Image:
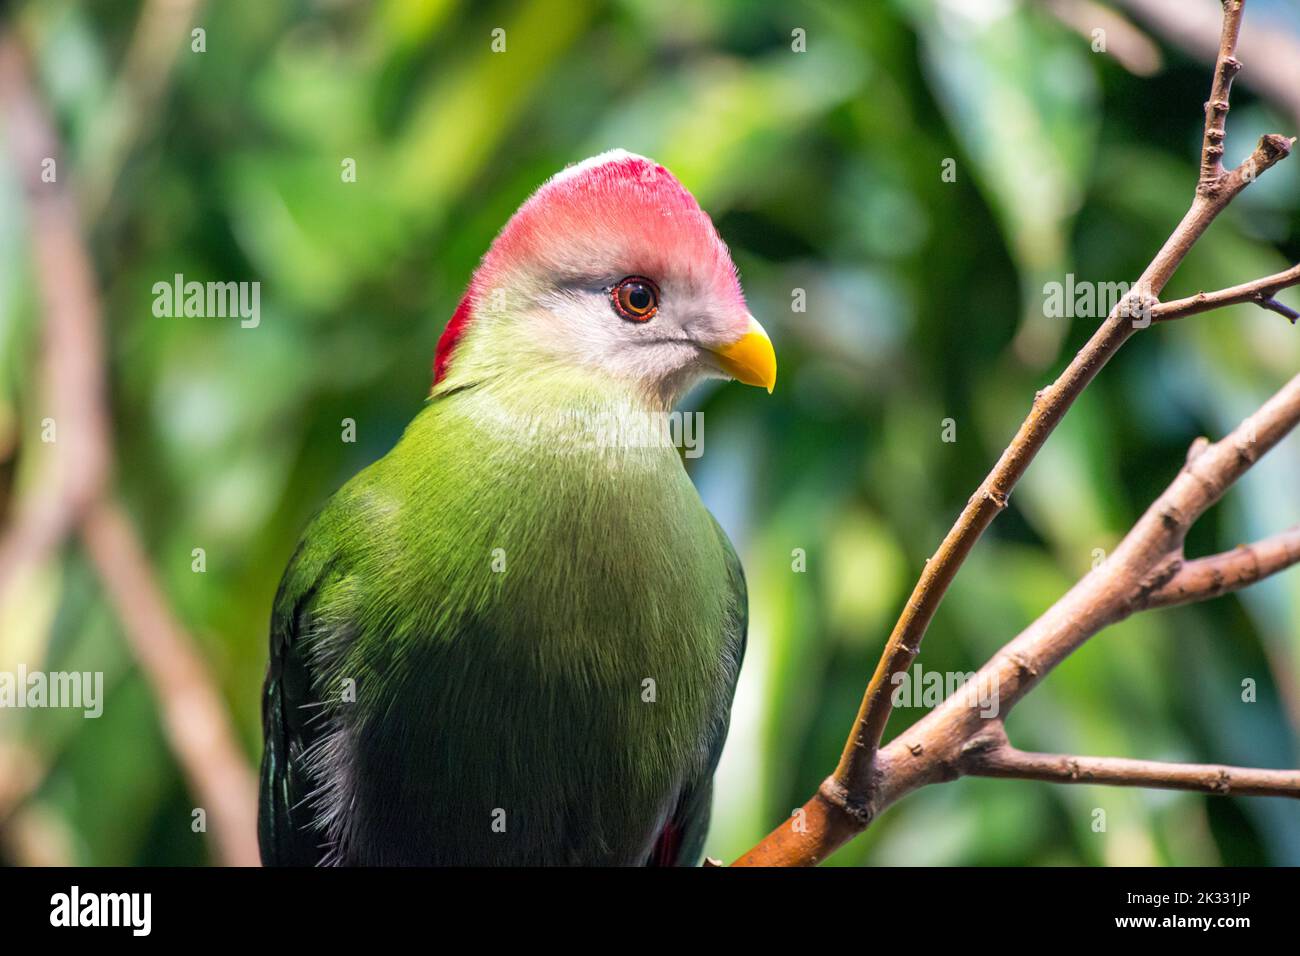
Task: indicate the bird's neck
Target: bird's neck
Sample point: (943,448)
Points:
(579,411)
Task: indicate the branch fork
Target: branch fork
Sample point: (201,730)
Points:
(1148,570)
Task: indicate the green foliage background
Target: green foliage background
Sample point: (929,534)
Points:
(823,172)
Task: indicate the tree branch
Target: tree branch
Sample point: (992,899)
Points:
(193,716)
(867,778)
(1260,292)
(1281,309)
(1134,578)
(1229,571)
(1003,760)
(1215,190)
(1226,67)
(1130,47)
(70,387)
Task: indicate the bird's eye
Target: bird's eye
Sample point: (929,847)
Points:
(635,299)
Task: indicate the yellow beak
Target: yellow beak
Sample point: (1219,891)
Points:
(751,358)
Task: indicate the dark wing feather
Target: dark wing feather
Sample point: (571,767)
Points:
(286,831)
(288,724)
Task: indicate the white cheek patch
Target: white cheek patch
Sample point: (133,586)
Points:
(584,329)
(533,328)
(580,325)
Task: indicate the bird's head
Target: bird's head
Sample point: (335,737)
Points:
(610,266)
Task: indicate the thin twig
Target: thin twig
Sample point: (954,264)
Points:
(71,386)
(1226,67)
(1191,25)
(1229,571)
(160,36)
(1260,292)
(1007,762)
(1130,47)
(1275,306)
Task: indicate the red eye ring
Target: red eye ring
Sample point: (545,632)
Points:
(635,298)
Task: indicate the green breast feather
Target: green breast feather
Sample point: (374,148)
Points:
(505,642)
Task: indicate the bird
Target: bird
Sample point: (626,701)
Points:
(514,640)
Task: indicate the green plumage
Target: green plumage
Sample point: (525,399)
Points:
(504,591)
